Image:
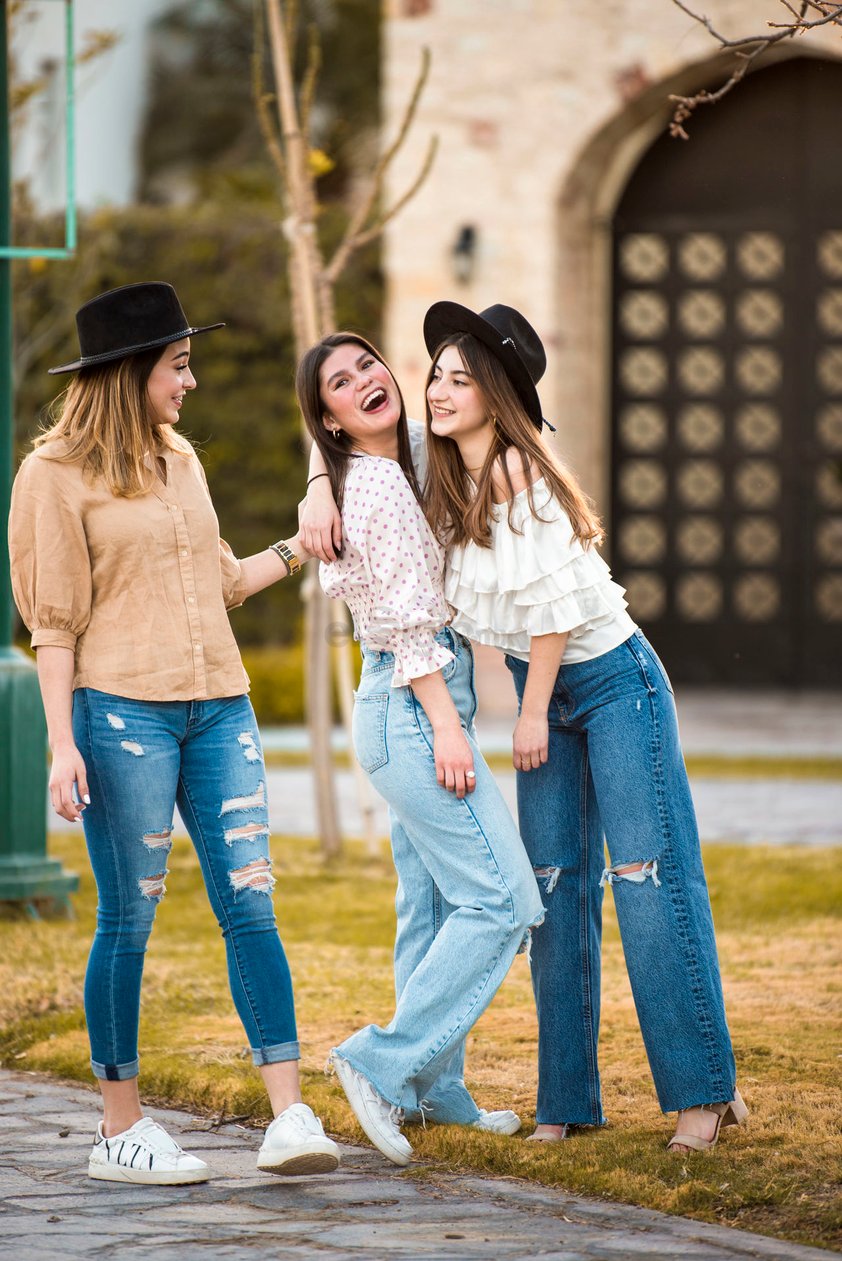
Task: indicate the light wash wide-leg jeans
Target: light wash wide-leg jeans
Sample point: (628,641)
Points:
(448,966)
(616,775)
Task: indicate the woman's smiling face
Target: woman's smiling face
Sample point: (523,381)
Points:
(169,381)
(456,406)
(359,394)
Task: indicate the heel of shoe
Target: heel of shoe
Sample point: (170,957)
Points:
(737,1113)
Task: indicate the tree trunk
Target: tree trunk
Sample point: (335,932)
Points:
(305,269)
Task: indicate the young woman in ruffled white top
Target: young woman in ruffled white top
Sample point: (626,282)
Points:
(596,743)
(466,891)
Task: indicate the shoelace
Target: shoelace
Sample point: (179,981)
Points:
(302,1122)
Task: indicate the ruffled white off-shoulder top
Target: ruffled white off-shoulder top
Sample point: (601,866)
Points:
(540,581)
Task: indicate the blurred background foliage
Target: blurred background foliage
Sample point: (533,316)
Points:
(208,220)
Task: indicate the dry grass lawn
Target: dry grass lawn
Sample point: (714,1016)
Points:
(777,914)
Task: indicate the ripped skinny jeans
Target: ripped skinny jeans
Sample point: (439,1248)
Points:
(615,776)
(143,758)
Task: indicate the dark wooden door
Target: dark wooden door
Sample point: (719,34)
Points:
(726,506)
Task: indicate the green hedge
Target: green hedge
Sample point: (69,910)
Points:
(277,683)
(228,262)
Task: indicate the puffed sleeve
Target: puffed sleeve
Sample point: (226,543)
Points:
(48,550)
(407,609)
(230,569)
(233,580)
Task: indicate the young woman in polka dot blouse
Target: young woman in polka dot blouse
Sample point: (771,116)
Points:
(466,891)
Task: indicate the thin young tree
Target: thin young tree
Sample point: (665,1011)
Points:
(799,18)
(313,279)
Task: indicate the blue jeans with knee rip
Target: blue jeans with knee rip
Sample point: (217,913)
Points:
(143,758)
(466,892)
(616,776)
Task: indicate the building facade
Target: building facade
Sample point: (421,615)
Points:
(689,294)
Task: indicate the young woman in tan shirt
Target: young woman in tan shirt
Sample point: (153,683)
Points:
(120,574)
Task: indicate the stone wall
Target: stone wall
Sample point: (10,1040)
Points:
(542,109)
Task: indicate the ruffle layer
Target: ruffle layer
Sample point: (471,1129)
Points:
(538,582)
(413,661)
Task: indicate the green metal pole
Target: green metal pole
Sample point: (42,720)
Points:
(27,875)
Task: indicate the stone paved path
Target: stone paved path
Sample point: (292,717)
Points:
(366,1211)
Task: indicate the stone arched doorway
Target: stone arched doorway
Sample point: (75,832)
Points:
(726,495)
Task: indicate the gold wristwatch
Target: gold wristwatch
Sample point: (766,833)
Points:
(287,555)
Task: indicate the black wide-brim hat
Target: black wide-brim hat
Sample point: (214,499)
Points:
(507,334)
(128,320)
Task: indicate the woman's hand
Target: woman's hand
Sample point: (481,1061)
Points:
(530,742)
(319,522)
(454,760)
(68,769)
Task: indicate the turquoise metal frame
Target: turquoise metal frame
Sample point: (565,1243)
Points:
(69,248)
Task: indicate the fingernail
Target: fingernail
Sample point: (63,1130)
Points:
(86,799)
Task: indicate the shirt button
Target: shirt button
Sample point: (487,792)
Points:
(184,551)
(197,647)
(191,599)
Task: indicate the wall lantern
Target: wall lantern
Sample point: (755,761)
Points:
(463,256)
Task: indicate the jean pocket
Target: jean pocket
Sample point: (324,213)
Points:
(651,664)
(449,669)
(369,731)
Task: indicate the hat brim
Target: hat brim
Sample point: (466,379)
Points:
(90,361)
(445,320)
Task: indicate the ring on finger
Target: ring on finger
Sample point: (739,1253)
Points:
(470,774)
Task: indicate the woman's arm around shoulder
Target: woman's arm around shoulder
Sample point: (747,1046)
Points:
(319,522)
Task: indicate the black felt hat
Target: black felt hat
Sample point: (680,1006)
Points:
(506,333)
(128,320)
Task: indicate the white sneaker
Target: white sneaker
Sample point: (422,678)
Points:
(379,1118)
(507,1122)
(296,1143)
(145,1154)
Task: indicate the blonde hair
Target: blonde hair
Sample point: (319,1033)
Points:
(104,422)
(459,511)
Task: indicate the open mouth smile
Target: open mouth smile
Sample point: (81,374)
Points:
(375,400)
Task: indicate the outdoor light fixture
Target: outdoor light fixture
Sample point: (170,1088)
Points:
(464,253)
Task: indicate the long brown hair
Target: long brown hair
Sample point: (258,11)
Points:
(105,423)
(337,452)
(459,511)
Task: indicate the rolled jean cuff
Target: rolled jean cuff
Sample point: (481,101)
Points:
(115,1072)
(278,1054)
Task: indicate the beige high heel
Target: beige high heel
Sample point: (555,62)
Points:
(733,1113)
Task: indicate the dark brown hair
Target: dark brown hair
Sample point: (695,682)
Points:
(460,512)
(336,452)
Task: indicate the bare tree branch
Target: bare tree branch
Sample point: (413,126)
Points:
(370,234)
(748,49)
(311,78)
(356,228)
(264,100)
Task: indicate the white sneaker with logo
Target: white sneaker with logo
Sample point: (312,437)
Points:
(296,1143)
(507,1122)
(144,1154)
(379,1119)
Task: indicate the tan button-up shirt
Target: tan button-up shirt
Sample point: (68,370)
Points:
(138,588)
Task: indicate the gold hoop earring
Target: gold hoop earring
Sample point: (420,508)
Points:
(336,433)
(494,421)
